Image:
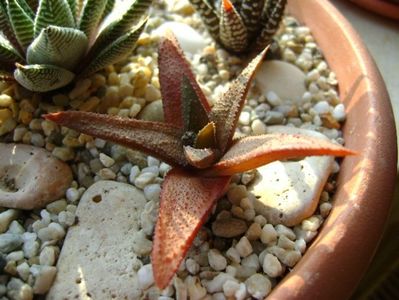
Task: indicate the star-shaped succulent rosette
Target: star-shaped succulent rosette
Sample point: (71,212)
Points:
(198,142)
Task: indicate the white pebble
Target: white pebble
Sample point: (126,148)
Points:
(230,287)
(322,107)
(47,256)
(53,232)
(216,284)
(258,127)
(290,258)
(192,266)
(134,172)
(325,209)
(107,174)
(300,245)
(241,293)
(15,256)
(284,230)
(244,247)
(145,277)
(272,266)
(269,234)
(216,260)
(338,113)
(72,194)
(44,276)
(152,161)
(311,224)
(106,160)
(233,255)
(258,286)
(143,179)
(273,98)
(251,261)
(195,290)
(6,217)
(23,271)
(66,218)
(245,118)
(152,192)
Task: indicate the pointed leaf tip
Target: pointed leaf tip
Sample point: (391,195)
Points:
(186,201)
(227,5)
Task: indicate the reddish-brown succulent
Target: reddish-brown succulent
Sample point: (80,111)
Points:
(198,142)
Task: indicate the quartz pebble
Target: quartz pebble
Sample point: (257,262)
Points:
(278,199)
(244,247)
(145,277)
(216,260)
(100,243)
(6,217)
(272,266)
(283,79)
(43,180)
(258,286)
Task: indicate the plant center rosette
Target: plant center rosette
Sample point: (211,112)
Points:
(197,140)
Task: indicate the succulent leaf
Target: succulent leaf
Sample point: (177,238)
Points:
(209,15)
(116,51)
(21,23)
(26,7)
(53,12)
(226,111)
(120,26)
(59,46)
(271,18)
(251,12)
(186,201)
(108,8)
(91,16)
(8,52)
(200,158)
(172,69)
(157,139)
(254,151)
(195,116)
(233,32)
(73,8)
(6,28)
(42,78)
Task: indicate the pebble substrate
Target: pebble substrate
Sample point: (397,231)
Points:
(216,267)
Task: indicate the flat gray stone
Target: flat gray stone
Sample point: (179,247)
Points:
(97,258)
(30,177)
(282,78)
(289,192)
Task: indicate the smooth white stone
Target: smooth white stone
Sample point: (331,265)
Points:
(44,277)
(97,256)
(31,177)
(288,192)
(6,217)
(258,286)
(281,78)
(190,40)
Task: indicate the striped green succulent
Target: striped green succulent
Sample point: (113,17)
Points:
(241,25)
(46,44)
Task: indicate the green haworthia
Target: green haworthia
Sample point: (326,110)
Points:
(51,38)
(42,78)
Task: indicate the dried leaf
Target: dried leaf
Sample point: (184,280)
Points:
(186,201)
(252,152)
(157,139)
(226,111)
(200,158)
(206,137)
(172,68)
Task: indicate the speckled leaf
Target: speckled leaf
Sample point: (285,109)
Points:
(21,23)
(108,8)
(209,16)
(26,7)
(91,15)
(200,158)
(270,21)
(42,78)
(172,68)
(53,12)
(252,152)
(227,109)
(119,27)
(157,139)
(186,201)
(232,30)
(8,52)
(59,46)
(114,52)
(73,8)
(195,116)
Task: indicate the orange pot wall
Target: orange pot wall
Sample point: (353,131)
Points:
(337,259)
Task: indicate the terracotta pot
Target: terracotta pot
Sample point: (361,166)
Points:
(380,7)
(337,259)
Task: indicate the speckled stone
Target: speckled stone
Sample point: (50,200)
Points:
(30,177)
(97,256)
(288,192)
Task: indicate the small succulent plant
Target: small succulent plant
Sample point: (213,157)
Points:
(198,142)
(46,44)
(241,25)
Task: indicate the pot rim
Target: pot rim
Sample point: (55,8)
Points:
(335,262)
(382,8)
